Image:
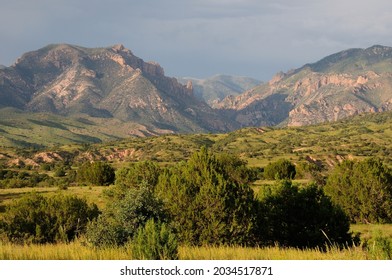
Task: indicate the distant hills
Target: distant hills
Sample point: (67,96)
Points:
(358,137)
(64,93)
(213,89)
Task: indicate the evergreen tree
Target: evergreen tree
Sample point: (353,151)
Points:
(96,173)
(363,189)
(206,203)
(302,217)
(279,170)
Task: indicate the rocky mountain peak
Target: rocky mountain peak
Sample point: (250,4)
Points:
(347,83)
(107,83)
(118,47)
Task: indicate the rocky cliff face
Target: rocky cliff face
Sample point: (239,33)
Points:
(105,82)
(338,86)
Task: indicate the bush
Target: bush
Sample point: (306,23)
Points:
(96,173)
(154,241)
(363,189)
(105,231)
(206,203)
(279,170)
(124,216)
(302,217)
(37,219)
(142,172)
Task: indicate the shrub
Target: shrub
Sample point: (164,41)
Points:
(302,217)
(363,189)
(96,173)
(37,219)
(124,216)
(142,172)
(105,231)
(279,170)
(206,203)
(154,241)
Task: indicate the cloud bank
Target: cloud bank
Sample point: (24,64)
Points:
(200,37)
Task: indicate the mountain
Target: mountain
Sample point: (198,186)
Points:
(107,83)
(213,89)
(2,66)
(64,93)
(347,83)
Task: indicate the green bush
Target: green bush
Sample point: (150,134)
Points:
(96,173)
(124,216)
(37,219)
(137,173)
(363,189)
(154,241)
(302,217)
(106,231)
(207,203)
(279,170)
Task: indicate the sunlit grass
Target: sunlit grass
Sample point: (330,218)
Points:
(271,253)
(78,251)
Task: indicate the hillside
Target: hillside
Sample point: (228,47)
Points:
(213,89)
(109,83)
(344,84)
(325,144)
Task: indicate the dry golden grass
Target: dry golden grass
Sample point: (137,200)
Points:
(270,253)
(73,251)
(78,251)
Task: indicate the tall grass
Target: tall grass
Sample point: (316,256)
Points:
(271,253)
(78,251)
(72,251)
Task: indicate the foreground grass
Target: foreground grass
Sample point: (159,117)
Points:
(78,251)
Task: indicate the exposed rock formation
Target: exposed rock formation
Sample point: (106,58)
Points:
(338,86)
(105,82)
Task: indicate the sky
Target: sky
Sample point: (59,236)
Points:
(200,38)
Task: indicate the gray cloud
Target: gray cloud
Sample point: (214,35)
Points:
(200,37)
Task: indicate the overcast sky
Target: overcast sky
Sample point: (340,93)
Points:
(200,38)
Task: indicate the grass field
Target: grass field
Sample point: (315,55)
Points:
(78,251)
(91,194)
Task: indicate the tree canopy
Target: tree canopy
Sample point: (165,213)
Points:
(363,189)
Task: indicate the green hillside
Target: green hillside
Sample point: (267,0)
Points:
(326,144)
(358,137)
(42,130)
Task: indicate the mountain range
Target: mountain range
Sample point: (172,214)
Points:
(344,84)
(112,86)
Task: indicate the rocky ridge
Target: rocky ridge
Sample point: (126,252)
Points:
(104,82)
(341,85)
